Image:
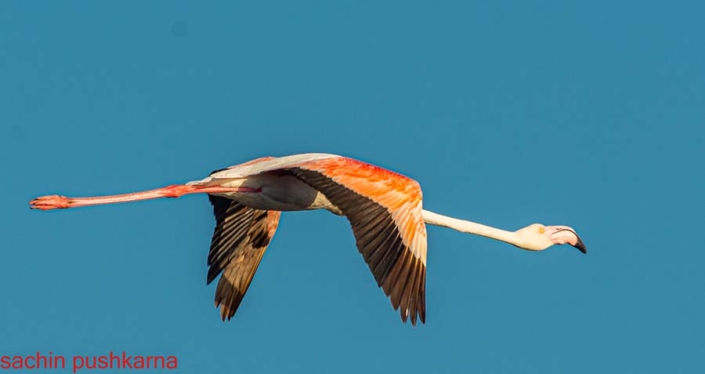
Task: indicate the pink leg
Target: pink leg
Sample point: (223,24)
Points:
(63,202)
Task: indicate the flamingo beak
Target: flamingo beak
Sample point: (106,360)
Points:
(580,245)
(565,235)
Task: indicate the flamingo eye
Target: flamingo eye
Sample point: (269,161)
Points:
(542,230)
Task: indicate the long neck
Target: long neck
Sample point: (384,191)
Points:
(470,227)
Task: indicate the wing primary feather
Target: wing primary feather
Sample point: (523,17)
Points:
(368,228)
(378,234)
(410,289)
(239,241)
(397,281)
(392,255)
(228,238)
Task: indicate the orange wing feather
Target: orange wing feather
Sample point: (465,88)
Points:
(399,194)
(384,209)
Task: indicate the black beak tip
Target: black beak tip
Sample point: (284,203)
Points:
(581,246)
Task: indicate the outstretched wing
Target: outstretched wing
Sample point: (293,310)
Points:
(240,238)
(384,210)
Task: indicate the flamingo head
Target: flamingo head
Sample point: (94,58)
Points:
(537,237)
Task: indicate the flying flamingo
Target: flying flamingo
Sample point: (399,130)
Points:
(384,209)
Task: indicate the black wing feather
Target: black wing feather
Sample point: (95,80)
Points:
(401,275)
(240,238)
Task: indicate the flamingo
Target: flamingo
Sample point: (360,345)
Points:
(384,210)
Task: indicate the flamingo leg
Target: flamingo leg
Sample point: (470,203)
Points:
(62,202)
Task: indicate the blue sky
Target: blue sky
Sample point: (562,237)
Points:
(588,114)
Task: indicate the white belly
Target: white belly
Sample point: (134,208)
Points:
(279,192)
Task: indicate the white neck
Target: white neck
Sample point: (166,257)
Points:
(470,227)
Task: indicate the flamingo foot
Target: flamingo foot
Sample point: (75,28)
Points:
(50,202)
